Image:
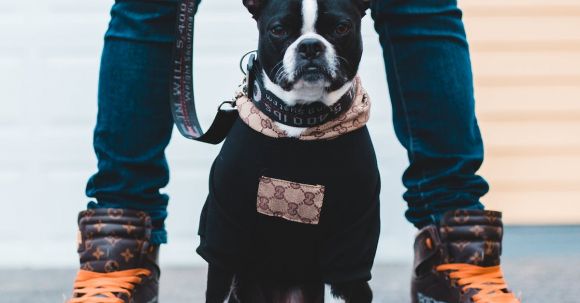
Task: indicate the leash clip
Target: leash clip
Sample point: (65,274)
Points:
(250,77)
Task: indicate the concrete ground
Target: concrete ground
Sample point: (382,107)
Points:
(541,263)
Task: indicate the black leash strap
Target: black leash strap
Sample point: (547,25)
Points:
(182,99)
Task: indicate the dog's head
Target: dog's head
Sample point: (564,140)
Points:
(309,45)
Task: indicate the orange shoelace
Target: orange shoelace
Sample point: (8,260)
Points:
(488,280)
(94,287)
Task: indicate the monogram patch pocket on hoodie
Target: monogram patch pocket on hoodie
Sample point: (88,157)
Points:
(290,200)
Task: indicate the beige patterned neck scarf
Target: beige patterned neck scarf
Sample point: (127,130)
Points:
(353,119)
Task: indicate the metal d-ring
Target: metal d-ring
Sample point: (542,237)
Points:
(242,61)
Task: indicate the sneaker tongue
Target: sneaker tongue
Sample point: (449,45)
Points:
(112,239)
(472,236)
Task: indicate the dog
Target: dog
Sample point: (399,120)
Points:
(293,200)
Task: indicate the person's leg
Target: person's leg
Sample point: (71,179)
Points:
(430,82)
(428,67)
(134,121)
(121,231)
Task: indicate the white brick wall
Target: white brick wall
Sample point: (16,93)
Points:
(49,56)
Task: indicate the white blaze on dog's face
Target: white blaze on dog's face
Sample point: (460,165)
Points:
(310,52)
(309,49)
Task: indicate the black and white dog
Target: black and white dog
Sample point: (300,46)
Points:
(264,231)
(309,50)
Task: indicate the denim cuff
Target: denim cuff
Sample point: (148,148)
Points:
(158,236)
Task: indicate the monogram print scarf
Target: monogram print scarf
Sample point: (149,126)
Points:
(353,119)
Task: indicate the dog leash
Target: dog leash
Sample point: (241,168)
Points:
(182,100)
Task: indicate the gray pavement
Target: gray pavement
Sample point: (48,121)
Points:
(538,280)
(541,263)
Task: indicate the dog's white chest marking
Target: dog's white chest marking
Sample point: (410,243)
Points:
(328,297)
(294,97)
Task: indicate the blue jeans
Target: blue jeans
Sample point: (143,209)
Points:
(430,80)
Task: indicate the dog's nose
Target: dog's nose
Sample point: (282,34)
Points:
(310,48)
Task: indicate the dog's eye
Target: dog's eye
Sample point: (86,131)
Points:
(342,29)
(279,31)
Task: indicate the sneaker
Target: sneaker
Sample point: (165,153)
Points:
(118,264)
(458,261)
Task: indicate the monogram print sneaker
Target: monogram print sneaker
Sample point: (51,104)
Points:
(459,260)
(118,265)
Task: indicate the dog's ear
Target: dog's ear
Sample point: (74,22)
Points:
(254,7)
